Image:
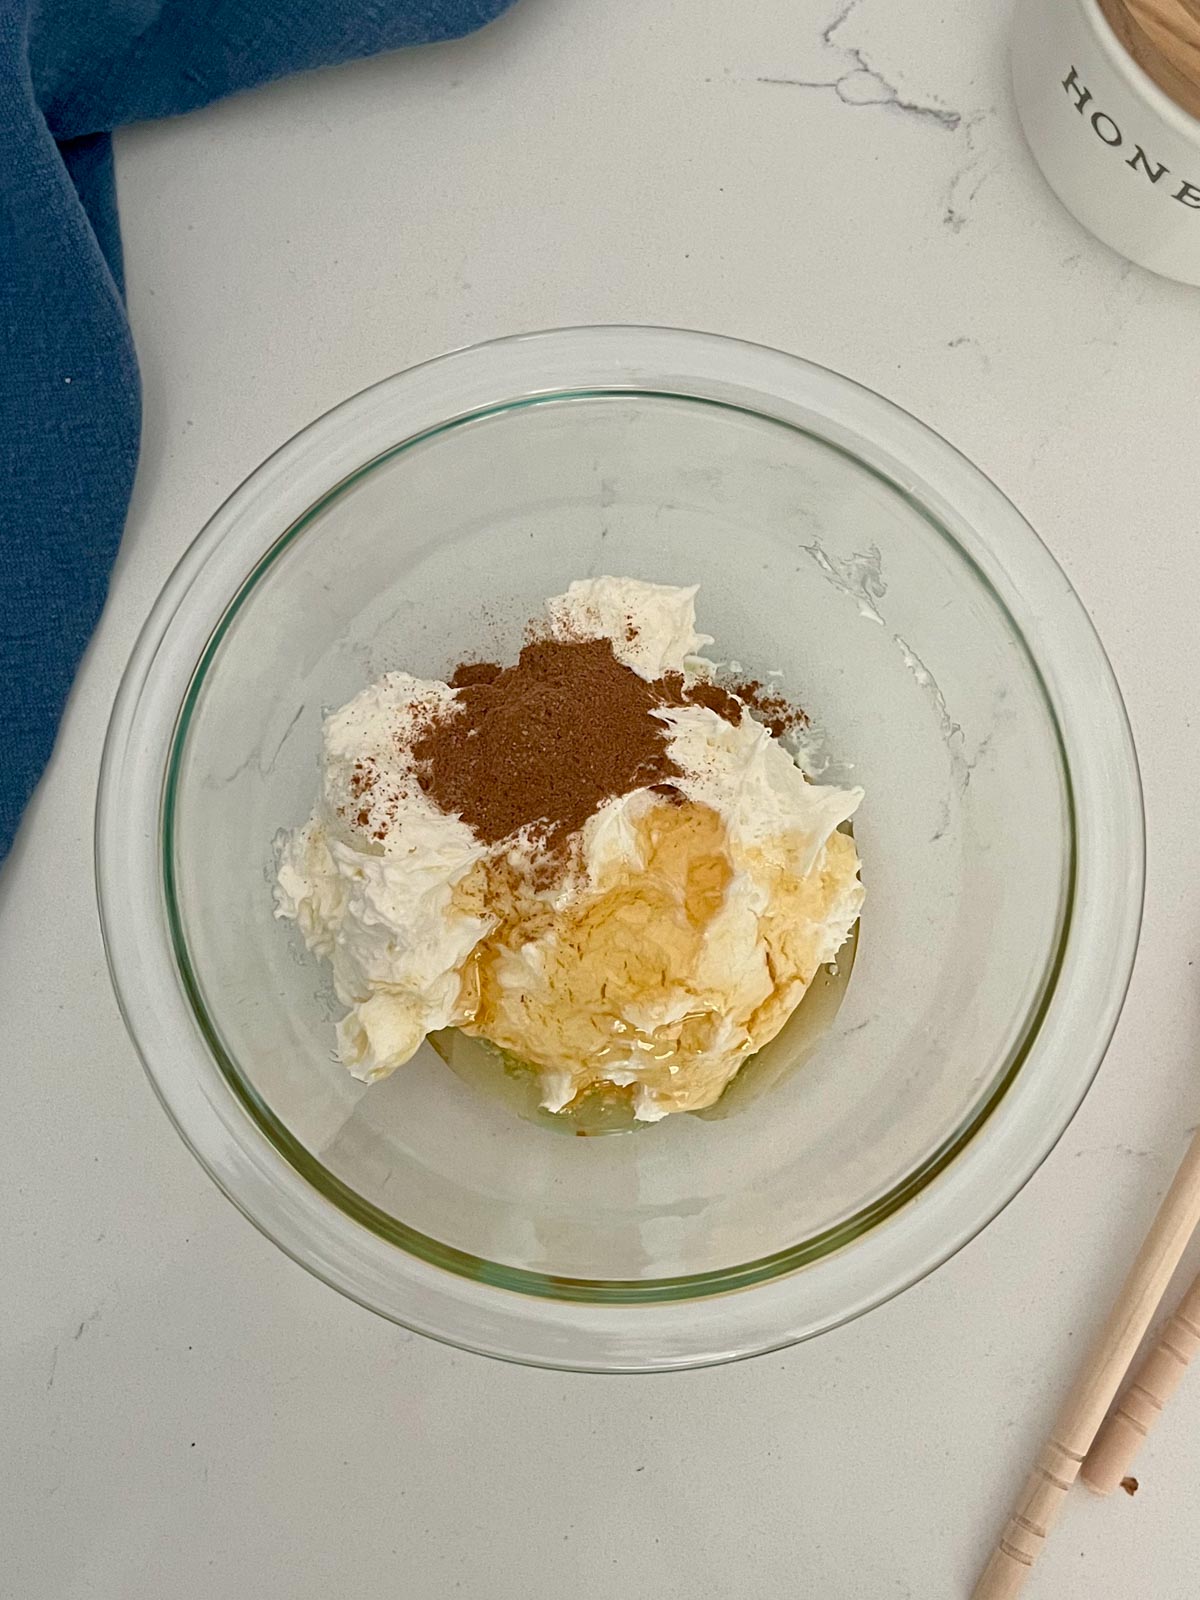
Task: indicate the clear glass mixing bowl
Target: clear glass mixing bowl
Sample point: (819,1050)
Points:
(948,668)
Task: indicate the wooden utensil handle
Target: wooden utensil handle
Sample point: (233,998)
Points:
(1154,1382)
(1085,1407)
(1032,1517)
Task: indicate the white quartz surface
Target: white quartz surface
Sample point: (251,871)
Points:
(187,1413)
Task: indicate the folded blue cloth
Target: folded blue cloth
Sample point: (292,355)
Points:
(70,72)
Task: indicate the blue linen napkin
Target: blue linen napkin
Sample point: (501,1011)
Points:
(70,72)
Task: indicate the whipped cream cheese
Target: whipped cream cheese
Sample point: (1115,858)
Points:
(369,880)
(652,626)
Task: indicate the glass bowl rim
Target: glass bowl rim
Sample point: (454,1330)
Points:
(702,357)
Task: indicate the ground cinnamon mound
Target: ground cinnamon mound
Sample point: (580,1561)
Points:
(546,742)
(468,674)
(543,744)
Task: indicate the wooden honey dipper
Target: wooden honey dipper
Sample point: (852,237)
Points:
(1079,1420)
(1163,37)
(1155,1381)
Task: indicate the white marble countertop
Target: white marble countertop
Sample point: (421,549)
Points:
(188,1413)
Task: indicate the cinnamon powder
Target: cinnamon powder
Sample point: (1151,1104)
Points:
(703,694)
(770,707)
(544,743)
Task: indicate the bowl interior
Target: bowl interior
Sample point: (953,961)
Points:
(920,688)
